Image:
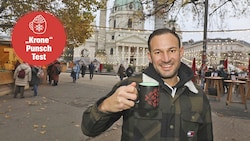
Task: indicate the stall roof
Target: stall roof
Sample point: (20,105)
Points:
(5,40)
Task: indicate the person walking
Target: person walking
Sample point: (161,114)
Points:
(49,73)
(75,72)
(35,79)
(83,69)
(91,70)
(129,71)
(183,112)
(22,77)
(121,72)
(55,72)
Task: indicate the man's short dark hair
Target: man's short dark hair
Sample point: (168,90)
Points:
(160,32)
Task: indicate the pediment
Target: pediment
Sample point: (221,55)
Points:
(133,39)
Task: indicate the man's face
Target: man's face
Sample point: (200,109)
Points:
(165,55)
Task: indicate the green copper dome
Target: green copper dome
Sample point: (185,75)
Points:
(127,5)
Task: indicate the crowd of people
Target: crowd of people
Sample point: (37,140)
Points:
(78,69)
(32,75)
(125,72)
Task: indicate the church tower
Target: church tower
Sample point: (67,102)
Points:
(123,15)
(101,35)
(160,17)
(124,41)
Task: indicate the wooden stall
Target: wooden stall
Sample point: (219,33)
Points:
(7,66)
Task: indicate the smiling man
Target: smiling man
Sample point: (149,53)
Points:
(183,112)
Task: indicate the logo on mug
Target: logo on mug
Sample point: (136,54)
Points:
(152,98)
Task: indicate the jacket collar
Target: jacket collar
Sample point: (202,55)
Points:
(185,74)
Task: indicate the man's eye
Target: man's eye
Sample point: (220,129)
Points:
(157,52)
(172,50)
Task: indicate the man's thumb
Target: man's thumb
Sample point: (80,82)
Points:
(133,84)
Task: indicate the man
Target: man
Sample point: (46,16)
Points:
(184,113)
(129,71)
(21,81)
(75,71)
(91,70)
(35,79)
(83,69)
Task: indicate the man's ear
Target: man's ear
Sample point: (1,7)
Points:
(181,51)
(149,57)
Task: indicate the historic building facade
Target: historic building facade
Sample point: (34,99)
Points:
(218,50)
(123,41)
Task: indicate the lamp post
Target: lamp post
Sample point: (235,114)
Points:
(204,52)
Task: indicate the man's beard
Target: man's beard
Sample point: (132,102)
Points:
(169,77)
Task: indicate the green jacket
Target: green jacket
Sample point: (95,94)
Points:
(184,117)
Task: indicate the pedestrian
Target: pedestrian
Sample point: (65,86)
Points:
(49,73)
(22,77)
(183,113)
(55,72)
(83,69)
(91,70)
(129,71)
(121,72)
(35,79)
(75,72)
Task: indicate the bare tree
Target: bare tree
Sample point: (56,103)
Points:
(193,10)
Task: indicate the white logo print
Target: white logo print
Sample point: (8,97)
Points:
(190,134)
(38,25)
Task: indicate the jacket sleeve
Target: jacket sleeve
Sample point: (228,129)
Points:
(94,122)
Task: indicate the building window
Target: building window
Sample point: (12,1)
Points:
(114,23)
(113,37)
(111,51)
(129,23)
(115,8)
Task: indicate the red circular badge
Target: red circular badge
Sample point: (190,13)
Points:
(38,38)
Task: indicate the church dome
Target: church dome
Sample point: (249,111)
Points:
(121,5)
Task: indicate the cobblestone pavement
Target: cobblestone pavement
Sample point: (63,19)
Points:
(55,115)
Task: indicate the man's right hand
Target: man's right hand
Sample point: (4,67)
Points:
(123,99)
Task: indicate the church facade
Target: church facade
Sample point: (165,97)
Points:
(123,41)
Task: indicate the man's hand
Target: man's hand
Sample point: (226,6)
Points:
(123,99)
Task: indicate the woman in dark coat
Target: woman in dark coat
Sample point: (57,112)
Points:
(55,71)
(49,74)
(121,72)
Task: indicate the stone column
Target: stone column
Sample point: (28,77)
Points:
(116,53)
(123,52)
(143,55)
(137,56)
(129,54)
